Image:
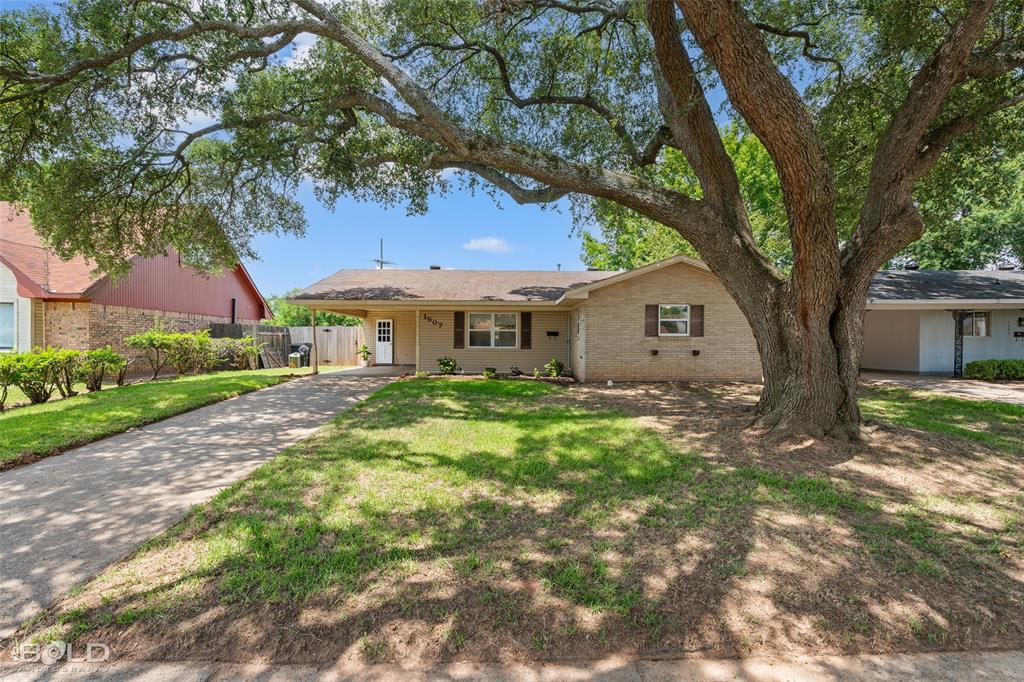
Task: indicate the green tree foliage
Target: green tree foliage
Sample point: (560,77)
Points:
(629,240)
(986,230)
(291,315)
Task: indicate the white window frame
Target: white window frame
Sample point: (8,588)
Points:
(14,327)
(988,323)
(684,306)
(494,330)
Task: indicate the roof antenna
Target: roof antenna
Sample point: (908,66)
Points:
(380,261)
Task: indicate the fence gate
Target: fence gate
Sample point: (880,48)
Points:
(336,345)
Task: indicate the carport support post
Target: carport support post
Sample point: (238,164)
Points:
(314,359)
(958,344)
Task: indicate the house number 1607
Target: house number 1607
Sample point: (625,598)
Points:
(436,323)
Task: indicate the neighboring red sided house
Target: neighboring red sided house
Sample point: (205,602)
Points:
(45,301)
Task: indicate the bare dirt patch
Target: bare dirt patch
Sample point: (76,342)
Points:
(513,521)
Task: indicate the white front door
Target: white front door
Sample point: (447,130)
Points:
(384,352)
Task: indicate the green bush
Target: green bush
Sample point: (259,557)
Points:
(241,353)
(7,374)
(34,374)
(99,362)
(422,375)
(66,369)
(447,365)
(154,346)
(192,352)
(555,367)
(490,372)
(247,354)
(995,370)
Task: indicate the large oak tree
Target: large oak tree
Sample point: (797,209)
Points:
(130,125)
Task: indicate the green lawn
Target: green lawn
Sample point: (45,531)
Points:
(498,520)
(1000,425)
(55,426)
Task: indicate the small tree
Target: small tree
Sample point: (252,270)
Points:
(154,346)
(97,363)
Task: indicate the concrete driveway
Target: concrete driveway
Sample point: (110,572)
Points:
(64,519)
(958,388)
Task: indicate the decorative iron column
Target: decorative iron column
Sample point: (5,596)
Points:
(958,344)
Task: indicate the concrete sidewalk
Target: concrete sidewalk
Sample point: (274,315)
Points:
(974,667)
(64,519)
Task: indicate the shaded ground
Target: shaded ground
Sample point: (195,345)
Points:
(518,521)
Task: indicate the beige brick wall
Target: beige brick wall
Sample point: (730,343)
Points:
(93,325)
(110,324)
(67,325)
(616,348)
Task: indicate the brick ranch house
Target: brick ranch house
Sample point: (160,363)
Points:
(45,301)
(669,321)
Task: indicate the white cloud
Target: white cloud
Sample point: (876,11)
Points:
(488,244)
(301,47)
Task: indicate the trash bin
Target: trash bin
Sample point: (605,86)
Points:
(302,350)
(294,360)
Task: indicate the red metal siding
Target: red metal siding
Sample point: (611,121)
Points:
(161,283)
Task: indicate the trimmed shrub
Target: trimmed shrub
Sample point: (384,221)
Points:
(422,375)
(7,374)
(67,365)
(97,363)
(154,346)
(490,372)
(191,352)
(995,370)
(34,374)
(447,365)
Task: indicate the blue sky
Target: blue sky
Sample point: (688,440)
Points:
(521,238)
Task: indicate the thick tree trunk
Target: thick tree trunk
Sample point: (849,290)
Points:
(811,369)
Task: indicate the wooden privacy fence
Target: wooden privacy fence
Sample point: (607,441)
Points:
(336,345)
(276,340)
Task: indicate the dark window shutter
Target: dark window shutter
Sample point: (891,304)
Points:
(526,331)
(651,319)
(459,340)
(696,320)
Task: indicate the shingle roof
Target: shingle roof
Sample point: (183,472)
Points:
(448,285)
(21,250)
(921,285)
